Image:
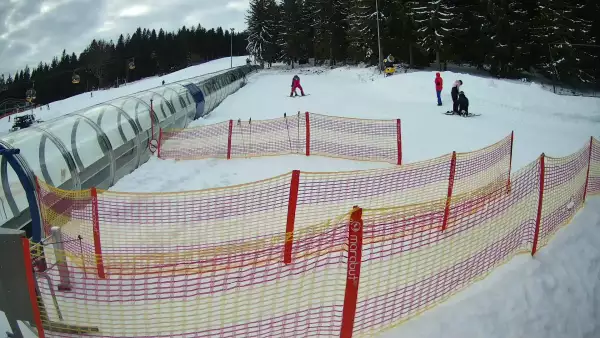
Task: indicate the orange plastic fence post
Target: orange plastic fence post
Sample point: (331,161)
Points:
(450,189)
(355,241)
(307,114)
(229,139)
(399,139)
(160,136)
(538,219)
(587,176)
(33,297)
(96,229)
(512,139)
(291,217)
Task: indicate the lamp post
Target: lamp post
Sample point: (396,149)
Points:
(232,31)
(378,35)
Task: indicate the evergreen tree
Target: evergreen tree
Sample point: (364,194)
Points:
(556,31)
(292,40)
(263,29)
(438,24)
(362,20)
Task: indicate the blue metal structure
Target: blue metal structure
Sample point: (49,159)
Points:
(98,145)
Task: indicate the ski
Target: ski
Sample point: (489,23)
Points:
(470,114)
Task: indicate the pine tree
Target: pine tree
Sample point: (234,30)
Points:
(263,28)
(397,31)
(438,23)
(556,33)
(292,40)
(362,20)
(507,48)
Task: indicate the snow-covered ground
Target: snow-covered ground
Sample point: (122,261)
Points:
(84,100)
(555,294)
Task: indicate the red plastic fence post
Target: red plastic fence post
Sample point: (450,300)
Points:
(587,176)
(307,114)
(291,217)
(399,139)
(229,139)
(512,139)
(355,240)
(450,189)
(538,219)
(33,297)
(160,136)
(96,229)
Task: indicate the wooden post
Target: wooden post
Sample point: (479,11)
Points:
(291,217)
(96,229)
(355,240)
(538,219)
(587,176)
(33,297)
(229,139)
(450,190)
(399,140)
(307,114)
(512,138)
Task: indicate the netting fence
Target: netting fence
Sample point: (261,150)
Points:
(346,254)
(297,134)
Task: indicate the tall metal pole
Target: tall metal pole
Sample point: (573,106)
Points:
(232,31)
(378,35)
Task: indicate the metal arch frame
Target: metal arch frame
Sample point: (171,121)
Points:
(26,178)
(139,102)
(186,107)
(102,141)
(121,113)
(10,199)
(137,131)
(142,132)
(66,154)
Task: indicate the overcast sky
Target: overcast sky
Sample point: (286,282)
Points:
(36,30)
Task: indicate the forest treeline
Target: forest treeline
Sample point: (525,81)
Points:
(553,38)
(104,64)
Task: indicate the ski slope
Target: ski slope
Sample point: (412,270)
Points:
(555,294)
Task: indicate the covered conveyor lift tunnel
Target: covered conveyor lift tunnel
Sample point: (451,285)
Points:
(97,146)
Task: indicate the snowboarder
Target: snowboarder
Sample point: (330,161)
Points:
(463,104)
(439,85)
(296,85)
(455,91)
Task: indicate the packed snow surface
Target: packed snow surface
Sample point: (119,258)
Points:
(555,294)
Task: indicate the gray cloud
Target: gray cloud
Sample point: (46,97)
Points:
(37,30)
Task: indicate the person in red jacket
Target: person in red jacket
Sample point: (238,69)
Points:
(296,85)
(439,86)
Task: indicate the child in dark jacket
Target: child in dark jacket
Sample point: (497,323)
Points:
(296,85)
(463,104)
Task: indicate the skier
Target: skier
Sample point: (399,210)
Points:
(439,85)
(463,104)
(455,90)
(295,85)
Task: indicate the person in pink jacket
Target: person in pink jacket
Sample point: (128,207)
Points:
(296,85)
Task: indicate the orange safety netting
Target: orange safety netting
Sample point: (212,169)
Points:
(302,133)
(289,256)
